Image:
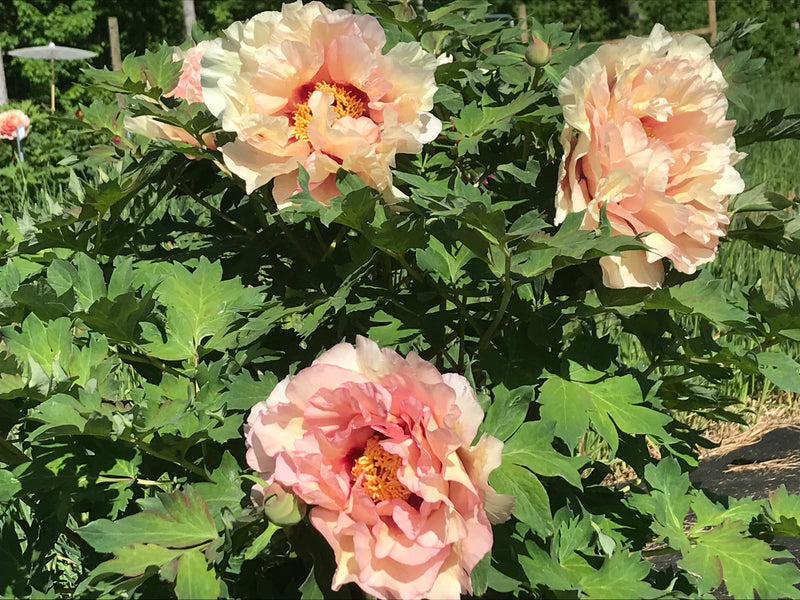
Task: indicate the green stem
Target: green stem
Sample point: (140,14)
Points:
(462,334)
(149,360)
(259,210)
(219,213)
(99,236)
(117,479)
(339,237)
(180,461)
(508,289)
(315,230)
(536,76)
(416,275)
(297,246)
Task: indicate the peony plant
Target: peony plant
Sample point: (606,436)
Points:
(430,312)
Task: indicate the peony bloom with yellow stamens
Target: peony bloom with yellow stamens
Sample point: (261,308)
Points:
(380,446)
(647,138)
(310,87)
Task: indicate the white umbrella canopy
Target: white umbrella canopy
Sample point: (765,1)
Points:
(52,53)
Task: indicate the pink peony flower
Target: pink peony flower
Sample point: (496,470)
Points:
(380,445)
(646,136)
(10,120)
(188,86)
(309,86)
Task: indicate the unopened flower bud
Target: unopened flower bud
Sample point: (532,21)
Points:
(538,52)
(280,507)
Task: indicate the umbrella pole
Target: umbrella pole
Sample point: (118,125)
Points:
(52,85)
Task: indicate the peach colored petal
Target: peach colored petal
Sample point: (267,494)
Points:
(632,269)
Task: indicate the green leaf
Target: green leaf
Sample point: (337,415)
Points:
(530,447)
(61,276)
(710,513)
(261,541)
(469,120)
(60,416)
(527,224)
(758,198)
(309,589)
(727,552)
(133,560)
(668,501)
(119,318)
(46,345)
(480,575)
(568,405)
(705,297)
(621,576)
(121,280)
(609,402)
(195,578)
(543,569)
(531,504)
(780,369)
(507,411)
(89,285)
(9,486)
(783,511)
(527,175)
(184,522)
(244,392)
(201,308)
(446,264)
(159,69)
(772,126)
(226,489)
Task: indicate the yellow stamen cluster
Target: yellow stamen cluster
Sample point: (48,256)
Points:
(345,104)
(648,131)
(380,472)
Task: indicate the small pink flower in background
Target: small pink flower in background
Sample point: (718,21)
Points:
(380,446)
(646,137)
(10,120)
(309,86)
(188,86)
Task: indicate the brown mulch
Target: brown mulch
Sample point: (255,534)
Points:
(755,461)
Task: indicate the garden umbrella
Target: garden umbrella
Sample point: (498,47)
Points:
(52,53)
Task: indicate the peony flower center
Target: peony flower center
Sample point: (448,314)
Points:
(345,104)
(380,472)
